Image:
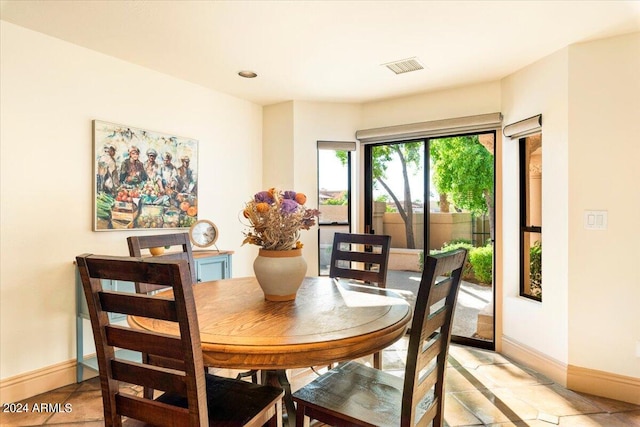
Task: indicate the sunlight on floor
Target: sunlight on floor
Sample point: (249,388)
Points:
(483,388)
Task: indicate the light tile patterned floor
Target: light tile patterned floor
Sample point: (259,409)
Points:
(483,389)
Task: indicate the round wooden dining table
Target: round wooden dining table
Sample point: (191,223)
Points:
(329,321)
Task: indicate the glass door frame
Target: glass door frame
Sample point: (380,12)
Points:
(368,213)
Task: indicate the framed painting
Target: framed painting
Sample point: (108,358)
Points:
(143,179)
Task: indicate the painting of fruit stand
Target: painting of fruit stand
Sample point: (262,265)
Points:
(143,179)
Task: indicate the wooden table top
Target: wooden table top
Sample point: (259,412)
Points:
(327,322)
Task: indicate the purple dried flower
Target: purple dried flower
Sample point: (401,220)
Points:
(289,206)
(289,194)
(276,217)
(263,196)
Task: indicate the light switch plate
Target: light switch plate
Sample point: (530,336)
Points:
(595,220)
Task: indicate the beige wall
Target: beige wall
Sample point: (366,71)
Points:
(50,92)
(278,146)
(589,315)
(307,123)
(540,88)
(445,104)
(603,276)
(589,98)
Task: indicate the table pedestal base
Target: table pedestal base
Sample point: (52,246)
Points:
(278,378)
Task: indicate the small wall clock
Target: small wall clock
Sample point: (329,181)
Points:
(203,233)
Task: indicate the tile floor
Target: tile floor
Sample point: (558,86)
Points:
(483,389)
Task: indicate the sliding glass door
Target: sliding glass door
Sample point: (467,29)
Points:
(435,195)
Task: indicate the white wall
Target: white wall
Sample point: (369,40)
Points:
(50,92)
(540,88)
(291,132)
(589,98)
(604,174)
(315,122)
(278,147)
(445,104)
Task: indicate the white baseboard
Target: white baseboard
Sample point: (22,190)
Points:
(606,384)
(32,383)
(539,362)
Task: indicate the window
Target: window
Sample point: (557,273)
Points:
(334,195)
(531,217)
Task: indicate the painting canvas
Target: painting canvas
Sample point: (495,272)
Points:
(143,179)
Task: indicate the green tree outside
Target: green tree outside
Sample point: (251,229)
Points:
(463,168)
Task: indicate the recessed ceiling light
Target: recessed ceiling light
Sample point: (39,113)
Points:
(247,74)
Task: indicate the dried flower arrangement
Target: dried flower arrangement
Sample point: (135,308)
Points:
(276,218)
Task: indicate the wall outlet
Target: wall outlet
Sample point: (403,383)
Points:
(595,220)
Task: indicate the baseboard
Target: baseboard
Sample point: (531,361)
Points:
(590,381)
(605,384)
(539,362)
(32,383)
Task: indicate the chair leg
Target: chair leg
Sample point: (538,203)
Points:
(279,414)
(148,393)
(377,360)
(273,422)
(301,419)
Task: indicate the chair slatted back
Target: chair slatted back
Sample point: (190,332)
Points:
(138,243)
(362,257)
(430,336)
(189,383)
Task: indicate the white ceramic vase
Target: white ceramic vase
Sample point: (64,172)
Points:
(280,273)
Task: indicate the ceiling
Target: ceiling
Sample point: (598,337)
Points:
(329,51)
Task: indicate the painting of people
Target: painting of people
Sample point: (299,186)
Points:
(143,179)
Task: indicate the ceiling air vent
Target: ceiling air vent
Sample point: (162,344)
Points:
(404,65)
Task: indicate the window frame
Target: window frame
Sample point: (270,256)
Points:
(338,225)
(525,228)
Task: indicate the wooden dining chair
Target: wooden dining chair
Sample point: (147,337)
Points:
(138,243)
(354,394)
(179,247)
(189,397)
(363,258)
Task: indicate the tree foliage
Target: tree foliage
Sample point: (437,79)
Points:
(409,154)
(463,168)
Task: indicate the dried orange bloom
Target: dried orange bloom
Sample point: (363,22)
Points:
(301,198)
(262,207)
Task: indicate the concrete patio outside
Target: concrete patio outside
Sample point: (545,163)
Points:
(474,301)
